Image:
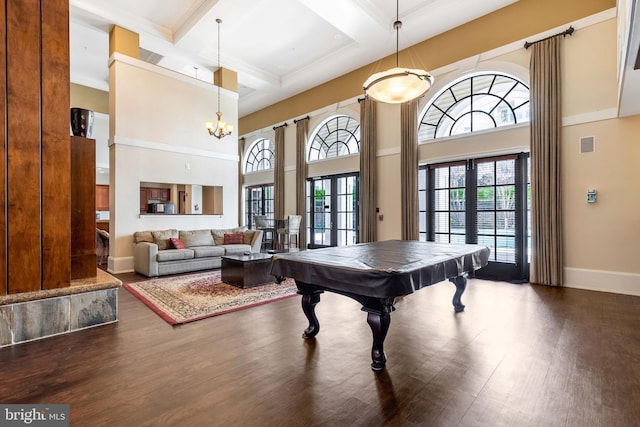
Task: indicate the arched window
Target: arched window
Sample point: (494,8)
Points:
(337,136)
(475,103)
(260,157)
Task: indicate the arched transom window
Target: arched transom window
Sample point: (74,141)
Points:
(338,136)
(475,103)
(260,157)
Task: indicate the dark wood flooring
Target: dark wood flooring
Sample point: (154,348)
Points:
(519,355)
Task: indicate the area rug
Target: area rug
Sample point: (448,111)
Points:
(191,297)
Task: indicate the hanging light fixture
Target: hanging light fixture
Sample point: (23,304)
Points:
(397,85)
(219,129)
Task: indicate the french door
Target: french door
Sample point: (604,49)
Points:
(332,210)
(258,201)
(484,201)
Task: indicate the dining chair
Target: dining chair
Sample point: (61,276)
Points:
(260,222)
(291,229)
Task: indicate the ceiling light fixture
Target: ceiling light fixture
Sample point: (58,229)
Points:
(220,129)
(397,85)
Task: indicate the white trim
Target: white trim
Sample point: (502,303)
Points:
(89,82)
(330,159)
(474,133)
(602,281)
(388,152)
(272,171)
(118,57)
(170,148)
(476,155)
(592,116)
(334,172)
(118,265)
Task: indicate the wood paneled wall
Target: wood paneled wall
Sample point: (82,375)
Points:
(35,208)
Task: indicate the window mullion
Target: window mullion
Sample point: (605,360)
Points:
(471,192)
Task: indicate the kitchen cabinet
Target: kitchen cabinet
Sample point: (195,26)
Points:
(144,200)
(102,197)
(159,194)
(153,194)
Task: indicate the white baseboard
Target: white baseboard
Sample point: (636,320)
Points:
(603,281)
(119,265)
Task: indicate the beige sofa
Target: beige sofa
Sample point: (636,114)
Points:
(154,253)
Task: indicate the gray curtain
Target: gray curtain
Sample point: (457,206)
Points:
(368,201)
(302,131)
(546,127)
(241,142)
(409,170)
(278,175)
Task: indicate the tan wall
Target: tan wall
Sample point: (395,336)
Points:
(604,235)
(92,99)
(602,240)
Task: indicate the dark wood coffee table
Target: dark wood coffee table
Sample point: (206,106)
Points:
(247,271)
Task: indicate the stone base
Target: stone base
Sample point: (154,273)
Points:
(83,305)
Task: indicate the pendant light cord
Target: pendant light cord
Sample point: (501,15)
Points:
(397,26)
(218,20)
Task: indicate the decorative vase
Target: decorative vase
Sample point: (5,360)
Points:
(82,122)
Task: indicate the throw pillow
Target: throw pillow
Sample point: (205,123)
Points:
(176,243)
(192,238)
(233,238)
(143,236)
(161,238)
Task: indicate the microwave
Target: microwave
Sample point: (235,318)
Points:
(155,208)
(165,208)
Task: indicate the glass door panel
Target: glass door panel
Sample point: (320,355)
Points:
(333,210)
(259,201)
(496,212)
(346,199)
(320,225)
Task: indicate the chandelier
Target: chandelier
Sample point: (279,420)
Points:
(397,85)
(220,129)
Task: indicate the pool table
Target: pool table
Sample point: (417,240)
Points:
(374,274)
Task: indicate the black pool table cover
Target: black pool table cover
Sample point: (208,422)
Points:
(381,269)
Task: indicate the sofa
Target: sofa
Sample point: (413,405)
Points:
(162,252)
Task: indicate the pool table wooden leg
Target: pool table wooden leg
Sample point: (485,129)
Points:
(379,323)
(309,301)
(461,285)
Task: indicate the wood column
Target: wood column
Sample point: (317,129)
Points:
(3,150)
(83,205)
(35,157)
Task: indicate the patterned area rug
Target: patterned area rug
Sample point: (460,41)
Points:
(187,298)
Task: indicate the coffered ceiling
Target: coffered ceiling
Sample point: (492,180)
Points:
(278,47)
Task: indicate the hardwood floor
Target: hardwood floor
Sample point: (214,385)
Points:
(519,355)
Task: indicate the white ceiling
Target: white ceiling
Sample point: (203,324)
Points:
(278,47)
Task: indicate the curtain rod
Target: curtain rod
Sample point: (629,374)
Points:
(301,119)
(565,33)
(284,125)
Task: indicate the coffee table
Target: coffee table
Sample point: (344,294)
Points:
(247,271)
